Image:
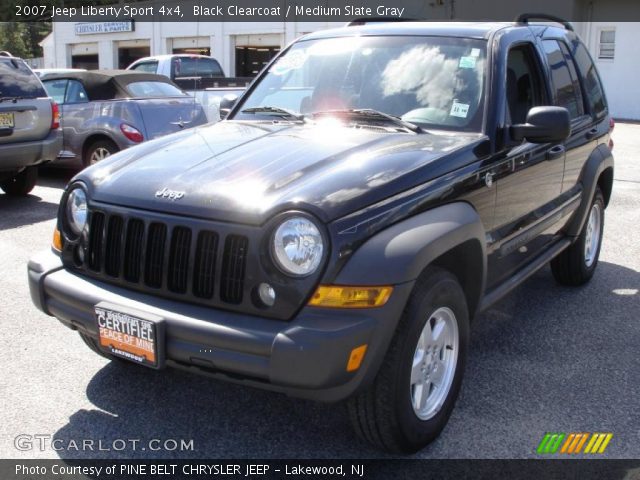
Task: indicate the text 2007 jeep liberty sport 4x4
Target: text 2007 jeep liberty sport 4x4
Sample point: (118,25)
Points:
(374,189)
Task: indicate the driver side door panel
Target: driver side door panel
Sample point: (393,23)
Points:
(529,178)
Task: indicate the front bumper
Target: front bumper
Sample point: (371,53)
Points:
(305,357)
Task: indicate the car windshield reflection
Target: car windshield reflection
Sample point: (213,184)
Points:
(429,81)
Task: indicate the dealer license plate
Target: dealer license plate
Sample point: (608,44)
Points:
(128,334)
(6,120)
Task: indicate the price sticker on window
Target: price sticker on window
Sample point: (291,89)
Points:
(459,109)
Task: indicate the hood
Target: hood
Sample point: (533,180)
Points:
(247,171)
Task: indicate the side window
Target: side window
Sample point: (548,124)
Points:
(523,86)
(56,89)
(573,72)
(591,84)
(76,93)
(565,87)
(150,67)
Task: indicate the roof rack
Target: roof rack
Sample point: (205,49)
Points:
(525,17)
(365,20)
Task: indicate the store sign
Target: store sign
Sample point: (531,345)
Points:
(90,28)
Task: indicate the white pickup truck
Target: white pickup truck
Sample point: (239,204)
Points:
(199,75)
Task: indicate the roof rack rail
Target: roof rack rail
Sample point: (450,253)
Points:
(365,20)
(525,17)
(4,53)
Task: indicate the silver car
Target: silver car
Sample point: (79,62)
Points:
(107,111)
(29,126)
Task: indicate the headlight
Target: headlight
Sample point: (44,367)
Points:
(76,210)
(297,246)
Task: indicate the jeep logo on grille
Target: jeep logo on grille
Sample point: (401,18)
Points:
(170,194)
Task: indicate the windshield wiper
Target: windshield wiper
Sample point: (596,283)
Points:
(369,113)
(282,112)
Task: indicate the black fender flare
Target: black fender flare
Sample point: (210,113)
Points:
(401,252)
(600,160)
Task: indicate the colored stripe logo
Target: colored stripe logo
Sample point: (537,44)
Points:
(573,443)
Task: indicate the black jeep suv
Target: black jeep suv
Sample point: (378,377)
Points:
(374,189)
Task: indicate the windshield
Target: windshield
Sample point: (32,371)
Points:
(434,82)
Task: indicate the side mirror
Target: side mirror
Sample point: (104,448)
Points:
(544,125)
(226,104)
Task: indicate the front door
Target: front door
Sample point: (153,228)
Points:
(529,181)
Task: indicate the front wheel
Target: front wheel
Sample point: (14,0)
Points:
(576,265)
(414,393)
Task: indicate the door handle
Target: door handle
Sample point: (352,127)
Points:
(591,133)
(555,152)
(488,179)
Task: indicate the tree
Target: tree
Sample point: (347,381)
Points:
(22,39)
(13,39)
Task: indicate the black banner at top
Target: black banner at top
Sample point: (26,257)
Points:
(110,11)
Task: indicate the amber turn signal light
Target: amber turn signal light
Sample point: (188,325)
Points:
(57,240)
(356,357)
(337,296)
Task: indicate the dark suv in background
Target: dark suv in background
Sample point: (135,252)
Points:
(375,189)
(29,126)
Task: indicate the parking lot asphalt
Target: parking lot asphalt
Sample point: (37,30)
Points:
(545,359)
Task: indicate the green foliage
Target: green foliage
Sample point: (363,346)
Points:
(12,39)
(22,38)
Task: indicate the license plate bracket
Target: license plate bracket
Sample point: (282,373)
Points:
(131,334)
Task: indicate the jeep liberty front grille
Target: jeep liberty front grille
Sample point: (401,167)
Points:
(157,256)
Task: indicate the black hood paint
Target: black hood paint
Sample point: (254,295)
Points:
(248,171)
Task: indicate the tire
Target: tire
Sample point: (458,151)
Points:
(384,413)
(576,265)
(98,151)
(22,184)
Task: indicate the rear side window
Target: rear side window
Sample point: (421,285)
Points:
(566,87)
(76,93)
(153,89)
(150,67)
(593,91)
(195,67)
(17,80)
(56,89)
